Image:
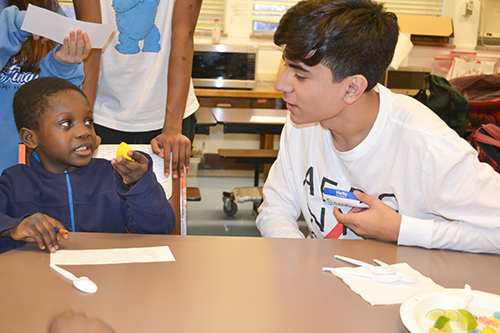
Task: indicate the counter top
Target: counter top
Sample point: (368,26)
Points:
(258,92)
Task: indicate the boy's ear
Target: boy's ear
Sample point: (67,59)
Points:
(356,86)
(28,137)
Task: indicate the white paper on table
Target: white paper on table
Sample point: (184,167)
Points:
(51,25)
(267,119)
(108,151)
(112,256)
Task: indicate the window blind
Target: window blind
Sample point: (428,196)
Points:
(267,13)
(415,7)
(210,10)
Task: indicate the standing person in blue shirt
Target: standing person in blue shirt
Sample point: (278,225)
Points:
(24,57)
(64,187)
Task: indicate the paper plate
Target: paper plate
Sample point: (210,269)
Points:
(414,309)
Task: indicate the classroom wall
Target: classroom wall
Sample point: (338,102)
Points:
(238,32)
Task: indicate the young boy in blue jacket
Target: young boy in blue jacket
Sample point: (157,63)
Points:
(64,187)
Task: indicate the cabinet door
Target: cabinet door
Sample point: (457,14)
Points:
(263,103)
(224,102)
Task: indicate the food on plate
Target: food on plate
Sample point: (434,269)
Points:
(122,150)
(442,324)
(434,314)
(466,320)
(461,320)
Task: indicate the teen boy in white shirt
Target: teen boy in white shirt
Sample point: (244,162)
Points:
(347,134)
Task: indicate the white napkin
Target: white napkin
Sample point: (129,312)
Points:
(378,293)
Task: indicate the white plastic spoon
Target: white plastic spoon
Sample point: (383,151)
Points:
(404,277)
(82,283)
(374,269)
(388,278)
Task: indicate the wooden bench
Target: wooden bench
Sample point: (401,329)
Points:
(251,156)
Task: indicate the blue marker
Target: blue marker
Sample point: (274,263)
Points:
(342,198)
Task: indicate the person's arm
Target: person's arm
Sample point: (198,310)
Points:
(33,228)
(65,61)
(90,11)
(11,35)
(184,21)
(146,209)
(458,189)
(280,210)
(38,228)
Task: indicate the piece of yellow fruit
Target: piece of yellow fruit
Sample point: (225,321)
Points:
(466,320)
(122,150)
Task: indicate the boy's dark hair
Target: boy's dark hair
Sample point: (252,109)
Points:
(349,37)
(33,98)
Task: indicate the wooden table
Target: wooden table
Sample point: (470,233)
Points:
(223,284)
(204,120)
(237,120)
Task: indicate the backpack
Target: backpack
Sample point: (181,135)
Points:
(446,102)
(486,139)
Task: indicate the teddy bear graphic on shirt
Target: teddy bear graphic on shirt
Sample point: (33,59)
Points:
(135,20)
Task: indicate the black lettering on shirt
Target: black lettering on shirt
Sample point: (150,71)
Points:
(309,180)
(321,223)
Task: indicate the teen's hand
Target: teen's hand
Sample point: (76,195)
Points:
(131,170)
(69,321)
(378,222)
(75,48)
(39,228)
(179,145)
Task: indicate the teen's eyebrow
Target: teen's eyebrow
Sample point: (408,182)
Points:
(299,67)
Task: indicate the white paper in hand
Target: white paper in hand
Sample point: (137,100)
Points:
(51,25)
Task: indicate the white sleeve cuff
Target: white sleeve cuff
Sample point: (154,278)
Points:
(415,232)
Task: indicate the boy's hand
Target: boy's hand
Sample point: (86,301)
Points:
(39,228)
(131,171)
(378,222)
(75,48)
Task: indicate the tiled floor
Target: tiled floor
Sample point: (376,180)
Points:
(206,217)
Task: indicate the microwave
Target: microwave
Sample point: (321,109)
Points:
(225,66)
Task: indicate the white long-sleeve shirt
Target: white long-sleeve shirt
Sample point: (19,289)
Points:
(411,160)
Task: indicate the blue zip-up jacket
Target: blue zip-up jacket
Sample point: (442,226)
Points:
(11,40)
(90,199)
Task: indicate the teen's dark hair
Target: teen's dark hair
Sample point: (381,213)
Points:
(350,37)
(33,98)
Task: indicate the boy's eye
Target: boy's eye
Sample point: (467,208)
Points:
(89,122)
(65,123)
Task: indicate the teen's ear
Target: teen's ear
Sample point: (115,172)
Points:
(28,137)
(356,86)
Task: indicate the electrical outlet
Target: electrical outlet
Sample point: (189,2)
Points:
(469,7)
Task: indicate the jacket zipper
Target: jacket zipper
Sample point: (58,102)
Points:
(70,199)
